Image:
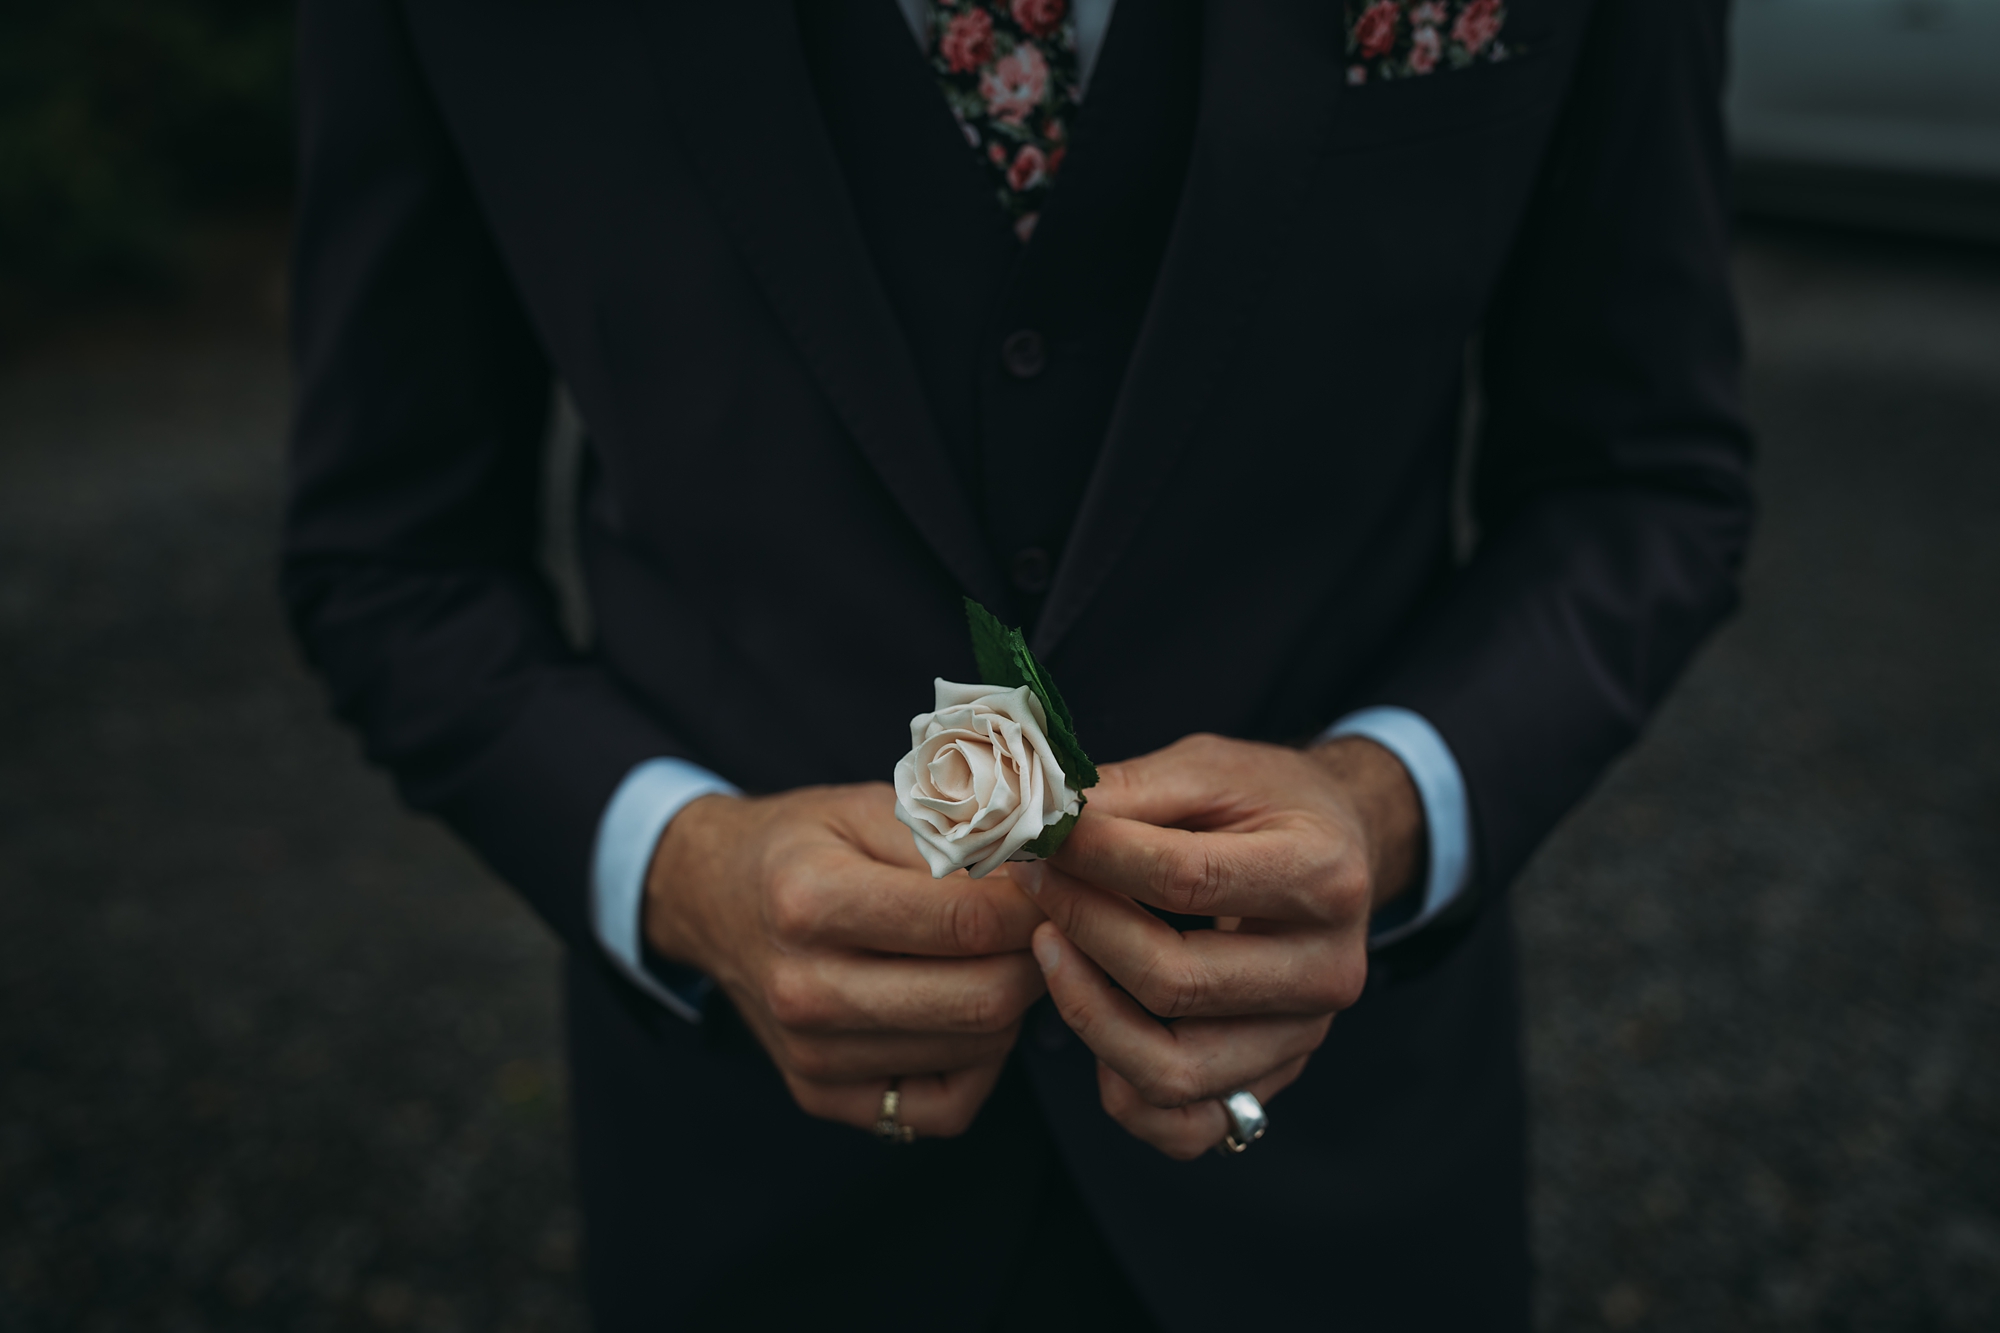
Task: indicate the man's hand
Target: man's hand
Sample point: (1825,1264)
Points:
(1290,850)
(815,914)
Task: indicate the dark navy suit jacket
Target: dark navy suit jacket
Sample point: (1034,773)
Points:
(643,199)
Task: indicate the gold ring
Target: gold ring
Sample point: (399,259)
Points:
(889,1126)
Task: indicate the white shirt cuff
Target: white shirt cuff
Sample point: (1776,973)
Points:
(637,815)
(1441,787)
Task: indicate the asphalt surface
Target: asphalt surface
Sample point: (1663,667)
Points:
(277,1056)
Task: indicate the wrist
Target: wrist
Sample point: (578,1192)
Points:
(687,856)
(1384,802)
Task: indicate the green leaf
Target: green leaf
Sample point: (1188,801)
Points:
(1004,660)
(993,648)
(1052,839)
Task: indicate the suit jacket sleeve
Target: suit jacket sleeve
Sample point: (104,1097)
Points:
(409,554)
(1611,483)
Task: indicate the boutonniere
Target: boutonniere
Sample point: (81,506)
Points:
(994,772)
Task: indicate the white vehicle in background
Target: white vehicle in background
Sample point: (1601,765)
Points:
(1879,113)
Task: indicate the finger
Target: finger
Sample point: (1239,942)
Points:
(1183,1132)
(844,899)
(1283,873)
(1197,782)
(851,1058)
(870,824)
(944,1106)
(1170,1065)
(1201,973)
(868,820)
(934,1105)
(861,993)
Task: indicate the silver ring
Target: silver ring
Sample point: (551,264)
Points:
(1247,1122)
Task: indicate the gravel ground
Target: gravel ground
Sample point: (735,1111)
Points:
(278,1056)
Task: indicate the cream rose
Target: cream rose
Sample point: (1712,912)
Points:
(981,781)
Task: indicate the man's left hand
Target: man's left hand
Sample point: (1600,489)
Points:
(1290,850)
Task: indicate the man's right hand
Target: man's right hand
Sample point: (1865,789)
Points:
(816,916)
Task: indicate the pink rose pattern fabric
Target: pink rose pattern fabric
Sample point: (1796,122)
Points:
(1009,72)
(1402,39)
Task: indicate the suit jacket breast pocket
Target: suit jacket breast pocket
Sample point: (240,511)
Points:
(1420,68)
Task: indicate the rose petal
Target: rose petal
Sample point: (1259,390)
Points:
(950,773)
(981,780)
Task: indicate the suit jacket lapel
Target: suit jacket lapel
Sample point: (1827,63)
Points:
(1270,72)
(735,74)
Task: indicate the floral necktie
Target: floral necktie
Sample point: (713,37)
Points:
(1009,72)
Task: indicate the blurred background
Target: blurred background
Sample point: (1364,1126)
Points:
(274,1055)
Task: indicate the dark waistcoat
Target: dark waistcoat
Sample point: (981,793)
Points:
(1021,348)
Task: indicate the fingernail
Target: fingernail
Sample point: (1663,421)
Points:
(1028,874)
(1047,951)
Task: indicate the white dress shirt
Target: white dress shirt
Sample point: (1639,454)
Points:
(657,790)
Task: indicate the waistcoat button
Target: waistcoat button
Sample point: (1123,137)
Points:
(1024,354)
(1031,570)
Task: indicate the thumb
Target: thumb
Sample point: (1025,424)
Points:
(1178,787)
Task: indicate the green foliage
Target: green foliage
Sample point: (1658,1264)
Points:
(1055,835)
(1003,658)
(121,118)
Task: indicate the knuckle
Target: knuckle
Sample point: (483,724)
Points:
(1170,1086)
(1350,993)
(793,998)
(1324,993)
(1331,975)
(1075,1011)
(987,1012)
(1201,744)
(1350,884)
(969,924)
(1075,1017)
(866,798)
(1341,985)
(1335,883)
(1171,988)
(792,907)
(1115,777)
(1189,878)
(810,1061)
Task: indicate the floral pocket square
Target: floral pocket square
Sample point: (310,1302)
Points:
(1402,39)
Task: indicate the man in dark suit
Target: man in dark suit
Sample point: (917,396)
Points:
(1146,326)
